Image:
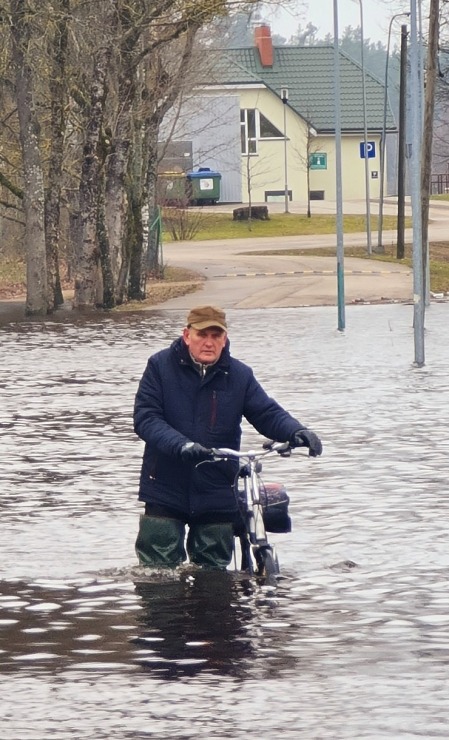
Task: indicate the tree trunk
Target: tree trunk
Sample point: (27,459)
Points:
(151,255)
(135,236)
(107,291)
(116,206)
(57,129)
(87,262)
(33,194)
(429,108)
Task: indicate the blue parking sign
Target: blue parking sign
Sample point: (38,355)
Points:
(371,147)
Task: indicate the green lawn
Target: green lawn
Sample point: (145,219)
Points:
(221,226)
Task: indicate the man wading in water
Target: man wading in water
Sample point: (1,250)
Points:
(192,397)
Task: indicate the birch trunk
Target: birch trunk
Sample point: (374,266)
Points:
(88,283)
(57,129)
(116,203)
(33,192)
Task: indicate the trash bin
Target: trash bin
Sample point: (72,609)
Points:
(172,188)
(204,186)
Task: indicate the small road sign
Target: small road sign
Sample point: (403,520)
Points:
(371,148)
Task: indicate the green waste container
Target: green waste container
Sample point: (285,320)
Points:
(172,188)
(204,186)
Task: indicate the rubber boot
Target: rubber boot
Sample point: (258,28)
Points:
(160,542)
(211,545)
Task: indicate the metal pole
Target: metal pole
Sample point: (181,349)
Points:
(338,178)
(284,96)
(383,142)
(400,248)
(426,258)
(365,137)
(415,182)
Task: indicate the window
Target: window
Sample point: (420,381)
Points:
(267,129)
(248,130)
(254,126)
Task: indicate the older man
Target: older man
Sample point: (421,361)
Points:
(192,397)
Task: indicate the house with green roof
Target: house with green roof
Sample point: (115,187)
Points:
(279,122)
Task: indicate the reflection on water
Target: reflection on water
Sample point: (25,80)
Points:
(167,624)
(353,642)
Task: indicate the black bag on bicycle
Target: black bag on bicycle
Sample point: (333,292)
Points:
(275,501)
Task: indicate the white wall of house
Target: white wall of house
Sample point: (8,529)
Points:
(211,120)
(265,170)
(212,124)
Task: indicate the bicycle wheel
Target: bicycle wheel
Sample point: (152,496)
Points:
(267,562)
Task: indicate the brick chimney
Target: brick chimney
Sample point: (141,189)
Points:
(263,42)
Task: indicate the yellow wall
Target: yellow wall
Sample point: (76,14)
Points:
(353,168)
(267,167)
(267,170)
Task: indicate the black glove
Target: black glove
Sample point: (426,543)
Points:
(194,452)
(307,438)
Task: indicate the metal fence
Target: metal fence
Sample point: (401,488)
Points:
(439,184)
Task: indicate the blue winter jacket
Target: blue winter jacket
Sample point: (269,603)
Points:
(174,405)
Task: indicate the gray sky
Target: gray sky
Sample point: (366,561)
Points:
(376,17)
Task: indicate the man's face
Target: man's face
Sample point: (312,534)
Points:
(205,345)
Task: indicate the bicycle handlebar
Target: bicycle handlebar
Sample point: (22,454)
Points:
(282,448)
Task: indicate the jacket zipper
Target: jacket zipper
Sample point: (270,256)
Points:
(213,412)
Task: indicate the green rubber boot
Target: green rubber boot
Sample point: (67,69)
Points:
(160,542)
(211,545)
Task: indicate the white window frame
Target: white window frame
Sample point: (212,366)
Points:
(244,132)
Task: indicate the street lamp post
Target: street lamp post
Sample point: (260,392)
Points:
(415,186)
(284,97)
(383,140)
(365,135)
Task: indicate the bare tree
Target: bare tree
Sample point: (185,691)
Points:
(88,125)
(429,107)
(58,49)
(33,191)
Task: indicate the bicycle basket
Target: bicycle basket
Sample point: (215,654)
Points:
(275,503)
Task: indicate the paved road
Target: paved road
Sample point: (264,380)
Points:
(238,276)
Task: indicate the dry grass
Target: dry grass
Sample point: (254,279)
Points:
(177,281)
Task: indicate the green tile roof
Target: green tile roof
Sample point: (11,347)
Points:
(308,72)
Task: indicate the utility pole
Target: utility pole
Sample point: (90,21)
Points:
(415,188)
(365,135)
(400,249)
(429,108)
(383,143)
(338,181)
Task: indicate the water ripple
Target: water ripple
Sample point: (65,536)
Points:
(353,642)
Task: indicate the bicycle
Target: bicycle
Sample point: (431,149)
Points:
(263,508)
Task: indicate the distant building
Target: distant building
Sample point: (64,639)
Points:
(234,122)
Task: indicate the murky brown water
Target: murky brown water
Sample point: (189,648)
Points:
(354,641)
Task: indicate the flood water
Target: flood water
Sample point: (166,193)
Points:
(354,640)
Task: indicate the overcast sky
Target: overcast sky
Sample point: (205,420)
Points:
(376,17)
